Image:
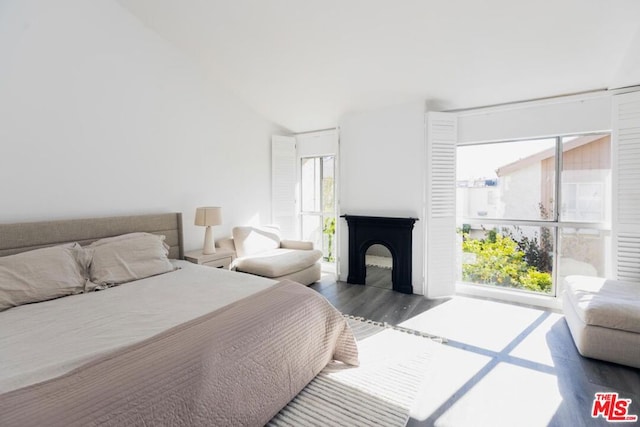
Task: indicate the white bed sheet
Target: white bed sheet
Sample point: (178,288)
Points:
(45,340)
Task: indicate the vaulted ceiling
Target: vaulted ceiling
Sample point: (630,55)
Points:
(305,63)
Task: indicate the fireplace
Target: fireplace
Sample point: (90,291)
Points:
(393,233)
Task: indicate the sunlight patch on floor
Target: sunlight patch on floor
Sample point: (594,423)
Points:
(497,368)
(536,347)
(481,323)
(507,396)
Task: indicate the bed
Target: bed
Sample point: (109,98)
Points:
(192,346)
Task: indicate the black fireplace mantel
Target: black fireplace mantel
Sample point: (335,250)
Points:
(393,233)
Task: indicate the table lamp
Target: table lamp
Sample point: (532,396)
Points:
(208,216)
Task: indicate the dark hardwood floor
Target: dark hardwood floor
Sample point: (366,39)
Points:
(379,277)
(373,302)
(503,364)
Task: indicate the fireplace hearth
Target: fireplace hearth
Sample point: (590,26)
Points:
(393,233)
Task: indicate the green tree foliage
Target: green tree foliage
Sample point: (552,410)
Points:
(329,228)
(537,251)
(500,260)
(537,281)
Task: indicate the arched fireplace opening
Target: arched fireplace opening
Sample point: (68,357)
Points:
(378,262)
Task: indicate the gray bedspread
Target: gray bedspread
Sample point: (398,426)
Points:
(237,365)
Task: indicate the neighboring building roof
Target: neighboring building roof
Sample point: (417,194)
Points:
(545,154)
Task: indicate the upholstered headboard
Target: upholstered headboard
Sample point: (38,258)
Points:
(24,236)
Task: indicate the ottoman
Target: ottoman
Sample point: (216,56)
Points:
(604,318)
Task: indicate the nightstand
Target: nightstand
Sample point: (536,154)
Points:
(221,259)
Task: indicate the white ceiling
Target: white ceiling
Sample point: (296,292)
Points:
(305,63)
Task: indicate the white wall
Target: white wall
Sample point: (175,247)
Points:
(382,155)
(100,116)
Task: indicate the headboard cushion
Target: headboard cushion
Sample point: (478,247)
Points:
(25,236)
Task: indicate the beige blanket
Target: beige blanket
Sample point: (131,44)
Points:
(235,366)
(42,341)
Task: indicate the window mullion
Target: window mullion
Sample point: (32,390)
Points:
(556,216)
(558,183)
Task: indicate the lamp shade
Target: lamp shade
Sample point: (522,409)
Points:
(208,216)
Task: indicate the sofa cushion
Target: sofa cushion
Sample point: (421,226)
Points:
(296,244)
(278,262)
(601,302)
(252,240)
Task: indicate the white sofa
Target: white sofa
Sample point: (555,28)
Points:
(604,318)
(260,251)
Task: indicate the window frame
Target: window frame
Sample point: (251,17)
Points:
(320,213)
(556,223)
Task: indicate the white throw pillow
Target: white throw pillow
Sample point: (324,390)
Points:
(253,240)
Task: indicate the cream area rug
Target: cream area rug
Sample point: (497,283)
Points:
(394,363)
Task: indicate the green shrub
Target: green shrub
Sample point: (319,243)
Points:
(537,281)
(329,228)
(500,261)
(537,252)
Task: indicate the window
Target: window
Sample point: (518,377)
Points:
(531,212)
(318,203)
(583,201)
(304,205)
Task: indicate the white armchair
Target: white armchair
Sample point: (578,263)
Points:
(260,251)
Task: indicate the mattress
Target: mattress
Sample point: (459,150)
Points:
(197,346)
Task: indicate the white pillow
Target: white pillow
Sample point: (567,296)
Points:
(121,259)
(127,236)
(42,274)
(253,240)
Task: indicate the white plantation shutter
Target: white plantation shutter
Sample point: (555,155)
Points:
(283,185)
(626,186)
(440,243)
